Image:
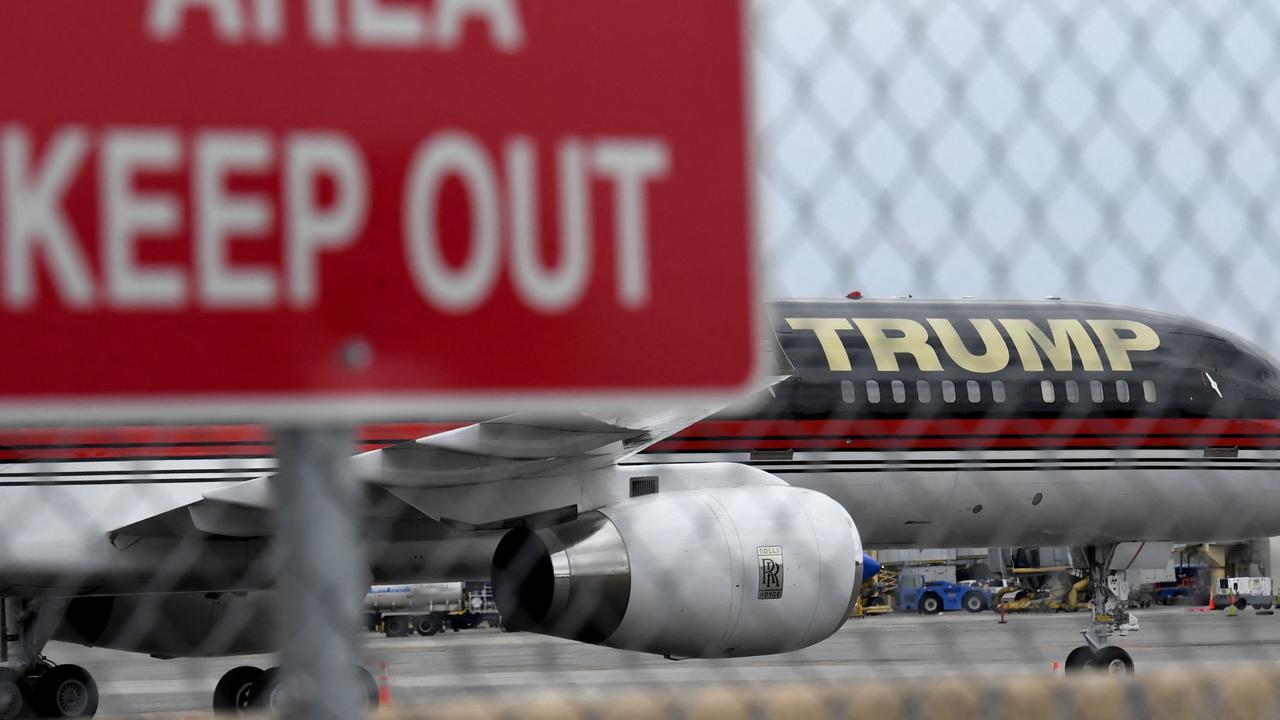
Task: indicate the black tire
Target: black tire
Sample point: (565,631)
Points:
(1079,659)
(1241,604)
(235,690)
(13,694)
(930,604)
(267,691)
(429,625)
(66,691)
(1113,660)
(973,602)
(395,626)
(370,687)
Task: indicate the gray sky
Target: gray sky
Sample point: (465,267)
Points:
(1121,151)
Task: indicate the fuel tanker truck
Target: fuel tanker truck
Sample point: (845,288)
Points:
(428,608)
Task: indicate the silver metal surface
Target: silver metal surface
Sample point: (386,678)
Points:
(321,581)
(575,578)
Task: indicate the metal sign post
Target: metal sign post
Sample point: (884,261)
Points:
(321,570)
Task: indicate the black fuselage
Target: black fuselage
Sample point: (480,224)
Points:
(968,423)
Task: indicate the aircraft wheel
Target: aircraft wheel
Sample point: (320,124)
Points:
(1113,661)
(930,604)
(235,690)
(429,625)
(1079,659)
(66,691)
(268,692)
(973,602)
(13,694)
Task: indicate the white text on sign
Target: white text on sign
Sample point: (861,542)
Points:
(36,232)
(360,23)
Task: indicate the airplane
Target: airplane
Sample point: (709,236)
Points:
(689,532)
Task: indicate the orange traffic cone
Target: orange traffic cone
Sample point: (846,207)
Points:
(384,687)
(1057,668)
(1211,605)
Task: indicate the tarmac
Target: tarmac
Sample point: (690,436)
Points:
(488,663)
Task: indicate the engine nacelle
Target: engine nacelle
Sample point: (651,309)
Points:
(724,572)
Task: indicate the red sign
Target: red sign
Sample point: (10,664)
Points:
(370,207)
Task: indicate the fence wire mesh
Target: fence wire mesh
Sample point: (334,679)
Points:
(1124,152)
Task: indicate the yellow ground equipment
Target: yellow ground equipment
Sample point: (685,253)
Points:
(1061,599)
(878,595)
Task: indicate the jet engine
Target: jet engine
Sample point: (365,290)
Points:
(723,572)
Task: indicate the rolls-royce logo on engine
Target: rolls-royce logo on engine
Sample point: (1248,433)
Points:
(770,557)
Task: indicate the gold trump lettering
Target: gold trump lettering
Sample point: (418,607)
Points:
(1057,341)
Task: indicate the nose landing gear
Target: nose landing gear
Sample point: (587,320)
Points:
(1108,616)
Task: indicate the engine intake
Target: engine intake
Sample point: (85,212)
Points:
(722,572)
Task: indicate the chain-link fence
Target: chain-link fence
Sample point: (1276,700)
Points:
(1117,152)
(951,477)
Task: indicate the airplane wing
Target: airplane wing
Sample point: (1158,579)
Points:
(505,448)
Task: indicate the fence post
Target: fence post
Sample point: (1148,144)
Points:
(321,569)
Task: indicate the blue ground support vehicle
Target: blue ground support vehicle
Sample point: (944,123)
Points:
(936,596)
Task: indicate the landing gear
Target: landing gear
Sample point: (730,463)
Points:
(13,691)
(1108,616)
(1079,659)
(65,691)
(235,690)
(53,691)
(1109,659)
(29,683)
(247,689)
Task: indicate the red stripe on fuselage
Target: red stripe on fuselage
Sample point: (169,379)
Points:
(996,433)
(238,441)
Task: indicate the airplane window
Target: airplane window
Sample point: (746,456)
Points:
(1122,391)
(1046,390)
(923,392)
(846,391)
(873,391)
(975,391)
(899,391)
(1073,391)
(948,391)
(1148,391)
(1095,390)
(997,390)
